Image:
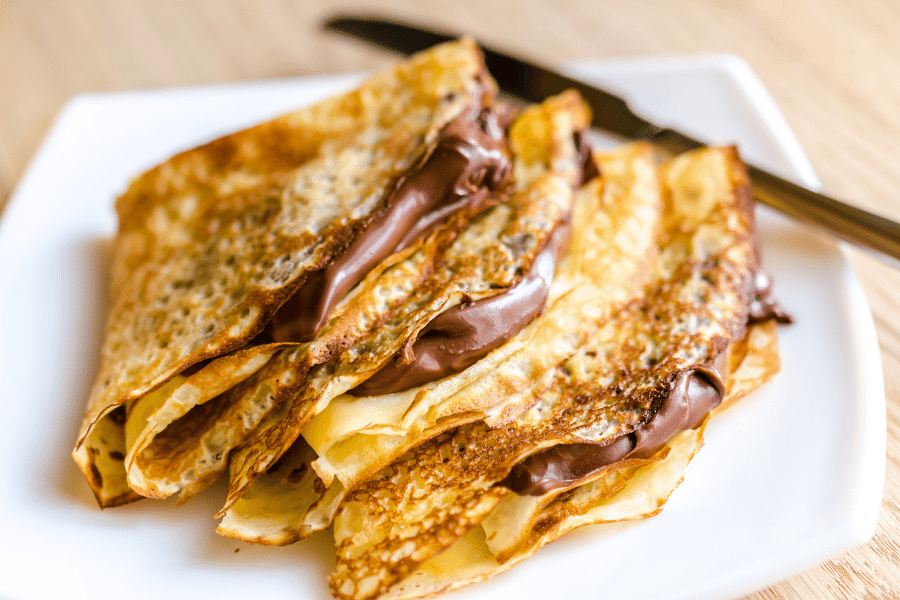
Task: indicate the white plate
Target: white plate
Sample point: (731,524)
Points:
(789,477)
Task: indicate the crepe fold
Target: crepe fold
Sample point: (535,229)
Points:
(520,525)
(214,240)
(693,307)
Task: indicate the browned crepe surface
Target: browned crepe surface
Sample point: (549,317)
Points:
(212,241)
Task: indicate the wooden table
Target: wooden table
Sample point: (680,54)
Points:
(832,67)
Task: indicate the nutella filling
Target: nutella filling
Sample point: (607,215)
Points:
(764,306)
(462,335)
(691,395)
(469,162)
(588,168)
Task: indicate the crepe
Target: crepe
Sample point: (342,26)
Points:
(694,307)
(520,525)
(214,240)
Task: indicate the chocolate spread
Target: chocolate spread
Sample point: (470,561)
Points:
(460,336)
(469,162)
(764,306)
(691,395)
(588,168)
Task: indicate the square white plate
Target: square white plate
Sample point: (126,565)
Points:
(789,477)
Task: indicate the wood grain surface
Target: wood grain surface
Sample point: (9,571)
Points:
(831,65)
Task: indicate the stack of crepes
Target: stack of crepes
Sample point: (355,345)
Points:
(440,323)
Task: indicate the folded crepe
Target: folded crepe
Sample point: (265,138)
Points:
(214,241)
(520,525)
(634,394)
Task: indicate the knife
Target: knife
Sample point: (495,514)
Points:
(533,83)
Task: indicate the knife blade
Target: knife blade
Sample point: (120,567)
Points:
(533,83)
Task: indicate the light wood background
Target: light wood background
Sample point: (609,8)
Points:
(832,66)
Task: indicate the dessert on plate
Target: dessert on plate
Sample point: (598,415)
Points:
(439,322)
